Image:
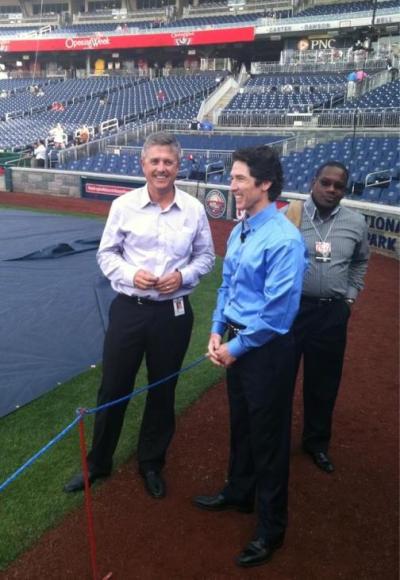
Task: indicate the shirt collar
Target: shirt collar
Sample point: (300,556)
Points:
(313,212)
(145,198)
(262,216)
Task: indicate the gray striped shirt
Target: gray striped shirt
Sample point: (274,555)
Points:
(346,231)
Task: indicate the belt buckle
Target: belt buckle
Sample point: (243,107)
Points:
(139,300)
(233,329)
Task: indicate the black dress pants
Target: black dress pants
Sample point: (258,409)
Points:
(149,330)
(320,331)
(260,391)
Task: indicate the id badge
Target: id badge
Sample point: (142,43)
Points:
(323,251)
(179,306)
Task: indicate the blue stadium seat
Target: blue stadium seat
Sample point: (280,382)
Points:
(391,195)
(372,194)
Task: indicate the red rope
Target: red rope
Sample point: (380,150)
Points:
(88,497)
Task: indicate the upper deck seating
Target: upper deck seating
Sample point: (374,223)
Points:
(132,26)
(341,8)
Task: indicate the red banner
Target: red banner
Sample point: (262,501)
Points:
(117,41)
(109,189)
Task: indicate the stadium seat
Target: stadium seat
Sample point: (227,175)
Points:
(371,194)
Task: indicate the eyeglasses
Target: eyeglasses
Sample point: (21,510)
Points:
(336,184)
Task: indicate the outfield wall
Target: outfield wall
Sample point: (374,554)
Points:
(383,221)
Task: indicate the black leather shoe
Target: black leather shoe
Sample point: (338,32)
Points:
(322,461)
(77,483)
(154,484)
(258,551)
(218,503)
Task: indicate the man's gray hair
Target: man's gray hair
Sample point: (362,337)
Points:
(162,139)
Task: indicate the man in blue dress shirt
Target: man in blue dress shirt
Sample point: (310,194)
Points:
(257,302)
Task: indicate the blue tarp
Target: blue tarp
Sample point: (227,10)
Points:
(53,302)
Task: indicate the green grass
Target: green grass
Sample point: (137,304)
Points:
(35,501)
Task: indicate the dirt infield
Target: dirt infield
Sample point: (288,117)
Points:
(342,526)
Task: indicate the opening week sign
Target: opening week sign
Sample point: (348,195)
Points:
(118,41)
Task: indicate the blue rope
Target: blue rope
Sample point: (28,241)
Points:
(41,451)
(145,388)
(82,412)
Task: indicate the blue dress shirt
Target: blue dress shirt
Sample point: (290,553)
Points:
(261,280)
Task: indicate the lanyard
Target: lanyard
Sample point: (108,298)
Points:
(317,230)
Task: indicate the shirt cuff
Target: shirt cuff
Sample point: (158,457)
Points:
(235,347)
(352,293)
(129,273)
(187,277)
(218,328)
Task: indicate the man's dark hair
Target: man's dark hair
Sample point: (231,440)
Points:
(264,165)
(332,163)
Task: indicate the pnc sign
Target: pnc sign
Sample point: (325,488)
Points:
(316,43)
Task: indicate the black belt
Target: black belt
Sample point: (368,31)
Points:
(149,302)
(234,327)
(317,300)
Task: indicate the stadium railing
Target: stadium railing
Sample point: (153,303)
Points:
(326,67)
(137,132)
(388,118)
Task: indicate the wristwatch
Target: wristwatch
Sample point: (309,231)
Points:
(349,301)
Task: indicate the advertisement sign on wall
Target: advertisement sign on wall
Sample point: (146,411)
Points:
(112,42)
(106,189)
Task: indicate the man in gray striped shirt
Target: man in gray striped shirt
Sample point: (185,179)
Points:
(337,243)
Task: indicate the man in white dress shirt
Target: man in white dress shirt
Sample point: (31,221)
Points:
(155,247)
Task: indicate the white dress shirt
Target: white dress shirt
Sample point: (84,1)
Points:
(140,235)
